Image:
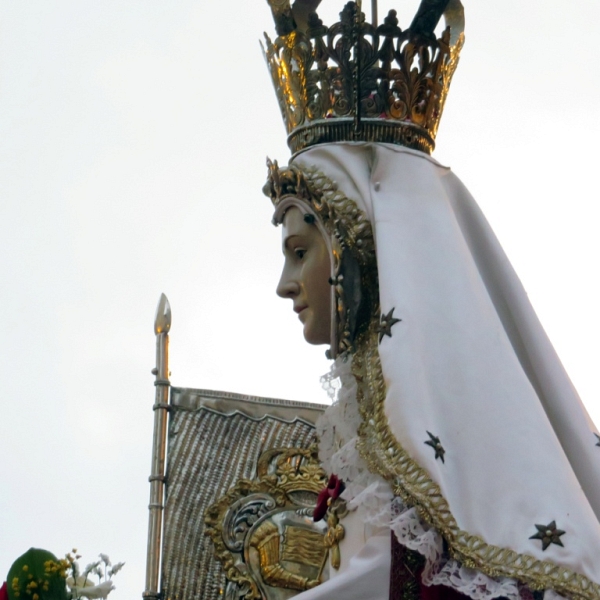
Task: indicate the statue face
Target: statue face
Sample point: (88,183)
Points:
(305,276)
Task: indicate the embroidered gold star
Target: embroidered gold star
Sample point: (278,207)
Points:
(387,322)
(548,534)
(435,443)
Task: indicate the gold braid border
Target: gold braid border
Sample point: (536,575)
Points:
(386,457)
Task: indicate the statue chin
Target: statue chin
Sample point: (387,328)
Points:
(317,334)
(316,341)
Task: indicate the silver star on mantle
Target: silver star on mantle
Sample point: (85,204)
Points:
(548,534)
(385,327)
(435,443)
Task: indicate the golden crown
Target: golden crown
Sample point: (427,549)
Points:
(356,81)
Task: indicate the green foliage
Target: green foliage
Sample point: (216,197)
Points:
(38,575)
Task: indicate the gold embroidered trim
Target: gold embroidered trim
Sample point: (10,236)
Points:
(386,457)
(339,214)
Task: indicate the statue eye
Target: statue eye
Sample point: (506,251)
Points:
(300,252)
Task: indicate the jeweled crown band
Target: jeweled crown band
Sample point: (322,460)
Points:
(372,130)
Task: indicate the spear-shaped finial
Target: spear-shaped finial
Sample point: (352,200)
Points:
(162,324)
(162,321)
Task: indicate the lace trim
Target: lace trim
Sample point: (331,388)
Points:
(441,570)
(374,500)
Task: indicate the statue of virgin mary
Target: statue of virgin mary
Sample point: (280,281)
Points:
(467,461)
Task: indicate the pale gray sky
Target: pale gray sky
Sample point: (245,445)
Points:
(133,138)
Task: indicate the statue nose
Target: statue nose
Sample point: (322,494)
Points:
(287,287)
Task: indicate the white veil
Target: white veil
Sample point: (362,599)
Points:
(480,425)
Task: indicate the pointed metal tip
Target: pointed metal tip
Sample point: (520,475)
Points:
(162,322)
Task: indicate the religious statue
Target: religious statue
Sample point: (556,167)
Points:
(461,459)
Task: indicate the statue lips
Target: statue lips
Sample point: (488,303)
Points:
(300,309)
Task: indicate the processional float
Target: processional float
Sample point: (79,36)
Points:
(235,478)
(233,484)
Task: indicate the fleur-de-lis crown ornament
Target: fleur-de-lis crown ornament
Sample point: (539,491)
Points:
(360,81)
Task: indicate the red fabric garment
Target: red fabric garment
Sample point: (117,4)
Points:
(405,578)
(4,592)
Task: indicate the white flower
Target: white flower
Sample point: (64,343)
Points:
(104,558)
(80,582)
(116,568)
(89,568)
(75,585)
(91,591)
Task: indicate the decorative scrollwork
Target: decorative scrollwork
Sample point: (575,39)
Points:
(261,526)
(242,516)
(355,81)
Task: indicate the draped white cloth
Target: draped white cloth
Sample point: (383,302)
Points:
(470,363)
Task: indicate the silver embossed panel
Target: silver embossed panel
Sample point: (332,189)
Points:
(215,439)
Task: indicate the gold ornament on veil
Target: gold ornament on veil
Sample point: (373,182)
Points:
(357,81)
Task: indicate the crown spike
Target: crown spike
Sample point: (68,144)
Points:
(289,18)
(357,20)
(428,16)
(359,81)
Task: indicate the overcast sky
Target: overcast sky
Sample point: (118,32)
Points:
(133,138)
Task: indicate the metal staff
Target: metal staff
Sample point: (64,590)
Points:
(162,324)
